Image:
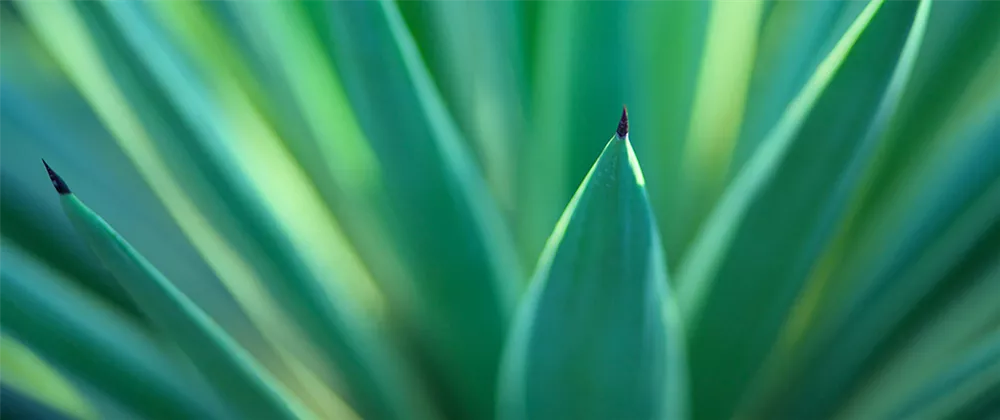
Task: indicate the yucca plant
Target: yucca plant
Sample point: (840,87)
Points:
(278,210)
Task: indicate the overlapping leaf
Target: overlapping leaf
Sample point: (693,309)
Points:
(741,278)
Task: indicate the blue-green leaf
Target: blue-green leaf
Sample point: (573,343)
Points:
(597,335)
(740,281)
(78,334)
(464,269)
(17,405)
(248,389)
(959,203)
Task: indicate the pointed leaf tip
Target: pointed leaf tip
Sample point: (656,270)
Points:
(623,123)
(57,180)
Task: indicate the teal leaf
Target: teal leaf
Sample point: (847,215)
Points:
(77,333)
(464,270)
(597,335)
(741,279)
(248,389)
(959,204)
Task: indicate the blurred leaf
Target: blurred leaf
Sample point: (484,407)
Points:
(568,107)
(114,72)
(795,38)
(17,405)
(463,264)
(668,37)
(785,202)
(716,115)
(960,200)
(947,324)
(485,87)
(232,371)
(932,108)
(72,331)
(33,223)
(53,121)
(597,335)
(29,378)
(949,392)
(311,113)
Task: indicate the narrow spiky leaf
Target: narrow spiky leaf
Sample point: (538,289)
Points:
(597,336)
(463,264)
(67,327)
(742,276)
(233,372)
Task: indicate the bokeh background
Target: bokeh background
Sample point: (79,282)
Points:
(413,157)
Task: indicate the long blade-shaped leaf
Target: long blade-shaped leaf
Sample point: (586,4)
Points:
(484,87)
(17,405)
(744,272)
(464,268)
(567,106)
(933,102)
(959,202)
(794,39)
(942,396)
(38,120)
(146,92)
(229,367)
(100,346)
(26,373)
(944,329)
(669,37)
(597,335)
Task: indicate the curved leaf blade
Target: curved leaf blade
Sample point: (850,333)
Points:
(597,335)
(17,405)
(464,268)
(134,78)
(959,203)
(88,340)
(740,282)
(250,390)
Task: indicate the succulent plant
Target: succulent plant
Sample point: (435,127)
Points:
(283,210)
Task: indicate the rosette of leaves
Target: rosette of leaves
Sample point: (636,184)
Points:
(412,210)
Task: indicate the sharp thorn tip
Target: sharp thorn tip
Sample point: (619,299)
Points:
(57,181)
(623,123)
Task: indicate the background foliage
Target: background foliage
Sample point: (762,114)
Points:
(346,204)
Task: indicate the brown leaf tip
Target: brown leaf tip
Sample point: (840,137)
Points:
(57,180)
(623,123)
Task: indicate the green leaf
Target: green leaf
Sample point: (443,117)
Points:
(947,393)
(463,266)
(25,373)
(38,121)
(246,387)
(669,37)
(963,41)
(717,111)
(160,108)
(568,106)
(597,335)
(740,282)
(102,347)
(31,226)
(946,325)
(906,258)
(794,39)
(21,406)
(484,87)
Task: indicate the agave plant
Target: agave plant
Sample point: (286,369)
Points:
(282,210)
